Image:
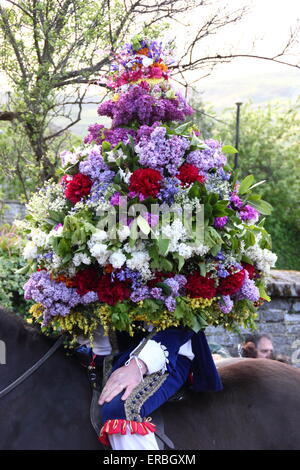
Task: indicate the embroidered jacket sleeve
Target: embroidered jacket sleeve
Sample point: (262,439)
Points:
(160,352)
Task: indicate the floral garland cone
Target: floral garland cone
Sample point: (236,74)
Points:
(110,244)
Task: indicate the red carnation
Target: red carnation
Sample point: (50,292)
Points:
(86,280)
(78,187)
(145,181)
(189,174)
(232,284)
(111,292)
(250,268)
(200,286)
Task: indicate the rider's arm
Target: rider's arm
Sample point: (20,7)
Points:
(160,352)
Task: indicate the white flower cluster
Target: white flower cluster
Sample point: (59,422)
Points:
(139,261)
(30,251)
(49,198)
(125,176)
(56,261)
(79,258)
(178,236)
(263,259)
(71,158)
(117,259)
(175,232)
(123,233)
(114,155)
(97,248)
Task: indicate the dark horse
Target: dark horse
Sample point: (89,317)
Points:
(259,407)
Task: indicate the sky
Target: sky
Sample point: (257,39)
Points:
(267,24)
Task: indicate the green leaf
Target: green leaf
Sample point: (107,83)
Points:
(261,206)
(24,270)
(196,142)
(105,146)
(213,198)
(166,265)
(257,184)
(229,149)
(183,127)
(202,267)
(57,216)
(262,292)
(215,249)
(199,323)
(166,289)
(143,224)
(246,259)
(181,261)
(245,184)
(163,245)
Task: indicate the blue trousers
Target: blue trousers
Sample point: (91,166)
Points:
(149,395)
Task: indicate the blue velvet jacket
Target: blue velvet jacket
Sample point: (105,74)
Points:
(205,374)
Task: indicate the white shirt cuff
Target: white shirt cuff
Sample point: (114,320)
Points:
(155,356)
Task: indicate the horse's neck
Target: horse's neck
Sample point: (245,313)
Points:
(20,348)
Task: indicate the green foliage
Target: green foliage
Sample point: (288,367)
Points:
(11,282)
(269,149)
(20,173)
(49,52)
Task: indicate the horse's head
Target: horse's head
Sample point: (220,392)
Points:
(13,329)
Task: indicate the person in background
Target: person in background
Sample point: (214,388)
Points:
(258,346)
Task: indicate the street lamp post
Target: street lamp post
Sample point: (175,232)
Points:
(237,134)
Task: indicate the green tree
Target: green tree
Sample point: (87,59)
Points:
(52,49)
(19,173)
(269,149)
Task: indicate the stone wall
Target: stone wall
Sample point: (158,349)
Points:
(11,210)
(280,318)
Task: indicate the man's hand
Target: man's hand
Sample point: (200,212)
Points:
(126,377)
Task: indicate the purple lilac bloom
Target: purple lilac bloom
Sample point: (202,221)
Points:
(248,290)
(170,303)
(226,307)
(115,199)
(89,297)
(152,219)
(220,256)
(94,165)
(171,186)
(222,271)
(144,132)
(236,202)
(160,152)
(127,273)
(249,213)
(98,133)
(220,222)
(139,294)
(157,293)
(98,190)
(56,297)
(224,176)
(174,285)
(209,158)
(181,280)
(138,104)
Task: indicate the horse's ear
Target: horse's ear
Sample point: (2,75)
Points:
(249,349)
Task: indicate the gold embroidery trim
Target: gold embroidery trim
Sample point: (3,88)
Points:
(132,410)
